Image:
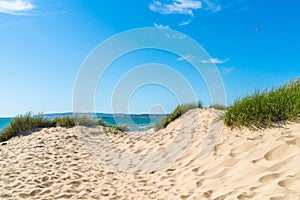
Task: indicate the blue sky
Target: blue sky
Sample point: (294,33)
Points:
(255,44)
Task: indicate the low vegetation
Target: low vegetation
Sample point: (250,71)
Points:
(116,129)
(24,123)
(264,108)
(29,122)
(180,110)
(218,106)
(67,122)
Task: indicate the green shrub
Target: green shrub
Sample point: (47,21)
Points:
(82,120)
(24,123)
(67,122)
(179,110)
(115,129)
(200,104)
(86,120)
(122,128)
(161,124)
(29,122)
(261,109)
(102,123)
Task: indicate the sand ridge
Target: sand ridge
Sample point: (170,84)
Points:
(57,163)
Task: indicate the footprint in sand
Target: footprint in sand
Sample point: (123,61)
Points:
(278,198)
(281,164)
(74,184)
(281,152)
(292,183)
(246,195)
(45,192)
(47,184)
(30,194)
(295,141)
(199,183)
(269,178)
(229,161)
(105,192)
(241,151)
(207,194)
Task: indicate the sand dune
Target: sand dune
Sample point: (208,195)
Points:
(86,163)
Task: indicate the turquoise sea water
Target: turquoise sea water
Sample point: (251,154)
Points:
(4,122)
(133,124)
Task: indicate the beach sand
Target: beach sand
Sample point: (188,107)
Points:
(79,163)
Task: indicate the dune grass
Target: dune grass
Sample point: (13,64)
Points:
(67,122)
(23,123)
(218,106)
(115,129)
(179,110)
(262,109)
(29,122)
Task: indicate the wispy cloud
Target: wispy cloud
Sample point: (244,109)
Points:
(160,26)
(184,7)
(189,58)
(214,61)
(176,36)
(16,7)
(192,58)
(184,23)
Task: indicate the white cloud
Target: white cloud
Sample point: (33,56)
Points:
(159,26)
(177,36)
(16,7)
(214,61)
(184,7)
(184,23)
(188,57)
(192,58)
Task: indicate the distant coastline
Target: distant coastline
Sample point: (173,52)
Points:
(107,115)
(133,121)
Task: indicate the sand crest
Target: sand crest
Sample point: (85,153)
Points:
(59,163)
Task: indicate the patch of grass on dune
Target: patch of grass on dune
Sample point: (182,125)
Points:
(218,106)
(122,128)
(29,122)
(24,123)
(67,122)
(179,110)
(87,120)
(264,108)
(113,128)
(81,120)
(116,128)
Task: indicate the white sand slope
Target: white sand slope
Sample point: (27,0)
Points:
(60,163)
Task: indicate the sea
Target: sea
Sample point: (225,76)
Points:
(133,122)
